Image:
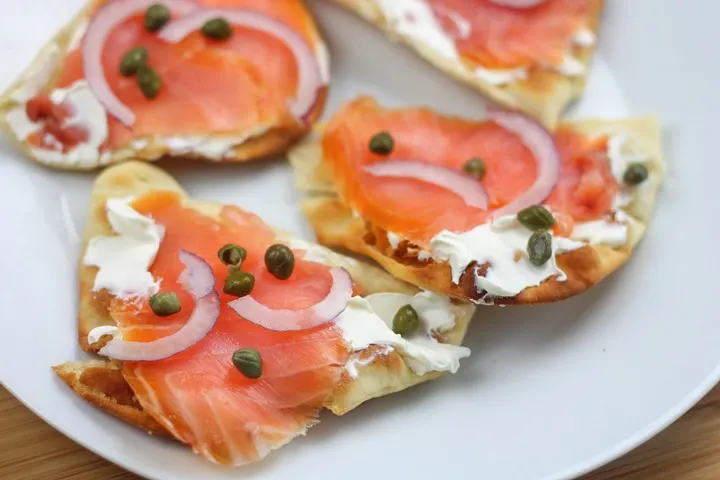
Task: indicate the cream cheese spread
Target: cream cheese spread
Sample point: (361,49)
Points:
(368,321)
(123,260)
(98,332)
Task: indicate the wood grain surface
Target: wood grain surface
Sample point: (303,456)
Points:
(32,450)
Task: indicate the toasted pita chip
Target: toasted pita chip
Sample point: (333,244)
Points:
(378,373)
(335,224)
(544,93)
(261,140)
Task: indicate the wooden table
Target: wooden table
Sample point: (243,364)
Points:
(32,450)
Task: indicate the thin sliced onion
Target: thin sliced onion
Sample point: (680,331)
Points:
(198,277)
(518,3)
(465,186)
(309,75)
(206,312)
(541,144)
(110,16)
(285,320)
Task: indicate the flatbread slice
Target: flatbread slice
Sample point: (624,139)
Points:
(336,224)
(371,373)
(43,109)
(540,91)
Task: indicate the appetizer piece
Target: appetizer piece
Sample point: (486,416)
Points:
(217,80)
(230,336)
(530,55)
(498,210)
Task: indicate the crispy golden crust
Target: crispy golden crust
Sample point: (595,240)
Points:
(336,225)
(544,94)
(386,374)
(101,383)
(260,141)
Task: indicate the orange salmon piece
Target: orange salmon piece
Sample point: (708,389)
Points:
(504,37)
(207,85)
(198,394)
(419,210)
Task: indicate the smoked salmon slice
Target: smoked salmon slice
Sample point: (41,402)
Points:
(419,210)
(198,395)
(217,99)
(498,36)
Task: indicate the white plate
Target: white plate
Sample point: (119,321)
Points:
(549,392)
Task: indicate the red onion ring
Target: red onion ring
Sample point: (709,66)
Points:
(196,280)
(518,3)
(465,186)
(309,76)
(541,144)
(285,320)
(111,15)
(198,277)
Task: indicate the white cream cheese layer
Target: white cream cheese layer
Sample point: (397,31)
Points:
(368,321)
(88,114)
(98,332)
(415,19)
(123,260)
(502,245)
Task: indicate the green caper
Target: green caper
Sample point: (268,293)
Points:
(539,247)
(156,16)
(149,81)
(217,29)
(476,168)
(232,255)
(280,261)
(135,58)
(536,217)
(382,143)
(249,362)
(406,321)
(165,304)
(239,283)
(635,174)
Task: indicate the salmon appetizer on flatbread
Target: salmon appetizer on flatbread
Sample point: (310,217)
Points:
(494,211)
(216,80)
(230,336)
(530,55)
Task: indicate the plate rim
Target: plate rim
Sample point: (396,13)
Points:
(601,459)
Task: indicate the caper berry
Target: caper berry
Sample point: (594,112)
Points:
(135,58)
(382,143)
(539,247)
(635,174)
(217,29)
(156,16)
(165,304)
(406,321)
(149,81)
(232,254)
(476,168)
(536,217)
(280,261)
(249,362)
(239,283)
